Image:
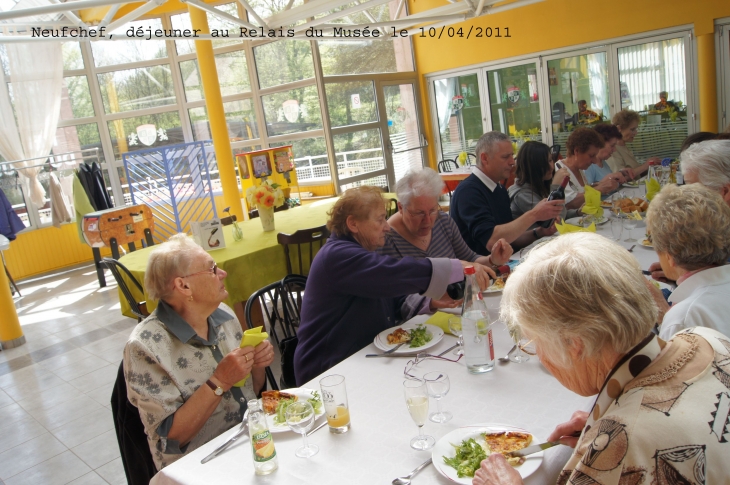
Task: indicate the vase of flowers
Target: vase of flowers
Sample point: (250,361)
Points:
(265,198)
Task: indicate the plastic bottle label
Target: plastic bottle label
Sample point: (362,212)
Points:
(491,345)
(263,446)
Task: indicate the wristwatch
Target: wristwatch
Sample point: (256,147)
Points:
(216,389)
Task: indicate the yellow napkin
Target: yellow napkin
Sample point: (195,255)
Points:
(251,338)
(462,158)
(565,228)
(635,216)
(652,188)
(593,202)
(441,320)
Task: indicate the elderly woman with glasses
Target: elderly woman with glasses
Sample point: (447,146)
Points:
(183,364)
(353,293)
(661,413)
(421,230)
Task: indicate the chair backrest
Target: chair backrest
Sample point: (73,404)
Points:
(447,165)
(254,213)
(391,207)
(139,308)
(312,236)
(471,159)
(227,221)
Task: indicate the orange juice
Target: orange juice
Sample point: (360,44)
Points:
(342,418)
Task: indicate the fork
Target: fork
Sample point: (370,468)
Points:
(387,352)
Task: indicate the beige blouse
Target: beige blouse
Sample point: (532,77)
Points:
(660,420)
(622,158)
(165,362)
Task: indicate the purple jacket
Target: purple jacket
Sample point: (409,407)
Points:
(353,294)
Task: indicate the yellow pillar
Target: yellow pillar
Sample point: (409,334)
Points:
(11,335)
(707,82)
(216,115)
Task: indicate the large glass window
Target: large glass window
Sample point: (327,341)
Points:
(182,22)
(367,56)
(514,102)
(403,128)
(284,61)
(351,103)
(652,78)
(109,53)
(578,93)
(459,114)
(240,118)
(133,89)
(292,111)
(358,153)
(72,56)
(232,75)
(310,159)
(76,98)
(145,131)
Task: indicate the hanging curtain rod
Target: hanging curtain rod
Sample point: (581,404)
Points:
(47,157)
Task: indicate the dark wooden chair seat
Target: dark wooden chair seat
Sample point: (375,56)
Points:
(312,236)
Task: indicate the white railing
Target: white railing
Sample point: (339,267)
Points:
(309,171)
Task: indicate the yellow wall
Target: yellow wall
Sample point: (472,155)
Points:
(554,24)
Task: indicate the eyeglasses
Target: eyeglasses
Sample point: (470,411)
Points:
(421,358)
(421,214)
(213,270)
(527,347)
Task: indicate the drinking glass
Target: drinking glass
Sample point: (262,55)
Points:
(455,328)
(617,226)
(518,356)
(334,397)
(437,384)
(416,396)
(300,418)
(629,224)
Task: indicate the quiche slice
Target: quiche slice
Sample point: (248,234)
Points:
(398,336)
(504,442)
(270,400)
(497,285)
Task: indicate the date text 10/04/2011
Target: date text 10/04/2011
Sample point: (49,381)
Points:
(477,32)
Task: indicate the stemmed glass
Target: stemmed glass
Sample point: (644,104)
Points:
(455,328)
(630,224)
(437,384)
(416,396)
(300,418)
(518,356)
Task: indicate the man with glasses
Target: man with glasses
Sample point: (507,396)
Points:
(480,206)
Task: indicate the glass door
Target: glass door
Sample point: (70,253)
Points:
(578,90)
(458,114)
(653,82)
(514,101)
(402,123)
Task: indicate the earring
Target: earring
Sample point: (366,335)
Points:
(191,298)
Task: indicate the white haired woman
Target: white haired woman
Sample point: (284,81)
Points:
(592,330)
(690,230)
(421,230)
(181,362)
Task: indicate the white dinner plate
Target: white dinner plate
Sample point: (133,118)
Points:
(381,339)
(647,244)
(303,394)
(493,289)
(576,220)
(443,448)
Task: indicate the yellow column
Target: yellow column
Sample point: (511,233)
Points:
(707,82)
(216,115)
(11,335)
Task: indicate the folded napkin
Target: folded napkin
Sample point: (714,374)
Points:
(441,320)
(635,216)
(565,228)
(251,338)
(652,188)
(461,159)
(593,202)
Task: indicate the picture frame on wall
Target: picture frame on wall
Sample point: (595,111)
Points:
(283,161)
(261,166)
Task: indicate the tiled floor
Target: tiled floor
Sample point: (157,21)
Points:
(55,419)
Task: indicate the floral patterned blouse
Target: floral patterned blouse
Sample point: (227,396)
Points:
(661,418)
(165,362)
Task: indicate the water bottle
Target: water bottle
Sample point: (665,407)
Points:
(262,443)
(477,333)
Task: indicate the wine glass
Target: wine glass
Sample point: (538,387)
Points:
(518,356)
(416,396)
(630,224)
(437,384)
(300,418)
(455,328)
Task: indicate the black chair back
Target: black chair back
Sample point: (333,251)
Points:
(447,165)
(139,467)
(312,236)
(471,159)
(139,308)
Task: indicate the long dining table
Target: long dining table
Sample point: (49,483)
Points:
(376,449)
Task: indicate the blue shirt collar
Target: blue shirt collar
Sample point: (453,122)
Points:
(182,329)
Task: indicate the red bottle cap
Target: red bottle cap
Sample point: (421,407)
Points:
(469,270)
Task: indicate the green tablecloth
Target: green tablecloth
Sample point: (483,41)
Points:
(251,263)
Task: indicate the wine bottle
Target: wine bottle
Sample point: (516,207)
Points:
(456,290)
(557,194)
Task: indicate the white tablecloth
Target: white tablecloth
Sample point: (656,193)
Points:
(376,449)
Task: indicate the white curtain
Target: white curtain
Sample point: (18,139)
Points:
(36,77)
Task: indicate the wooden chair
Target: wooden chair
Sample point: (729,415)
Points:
(254,213)
(471,159)
(391,208)
(446,165)
(139,308)
(227,221)
(303,236)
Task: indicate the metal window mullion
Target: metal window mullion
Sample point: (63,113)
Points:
(326,125)
(288,86)
(342,130)
(258,106)
(300,135)
(77,121)
(382,76)
(132,65)
(140,112)
(177,83)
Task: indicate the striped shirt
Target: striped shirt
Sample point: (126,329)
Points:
(446,242)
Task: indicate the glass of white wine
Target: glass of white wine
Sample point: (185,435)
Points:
(416,395)
(300,418)
(437,384)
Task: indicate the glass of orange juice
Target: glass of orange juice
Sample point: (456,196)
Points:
(334,397)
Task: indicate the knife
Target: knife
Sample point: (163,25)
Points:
(532,449)
(231,440)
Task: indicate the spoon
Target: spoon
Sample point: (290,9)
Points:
(505,359)
(631,249)
(407,479)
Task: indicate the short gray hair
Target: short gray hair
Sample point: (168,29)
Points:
(691,223)
(418,183)
(487,143)
(579,286)
(710,161)
(166,262)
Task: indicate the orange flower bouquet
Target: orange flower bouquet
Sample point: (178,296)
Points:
(265,197)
